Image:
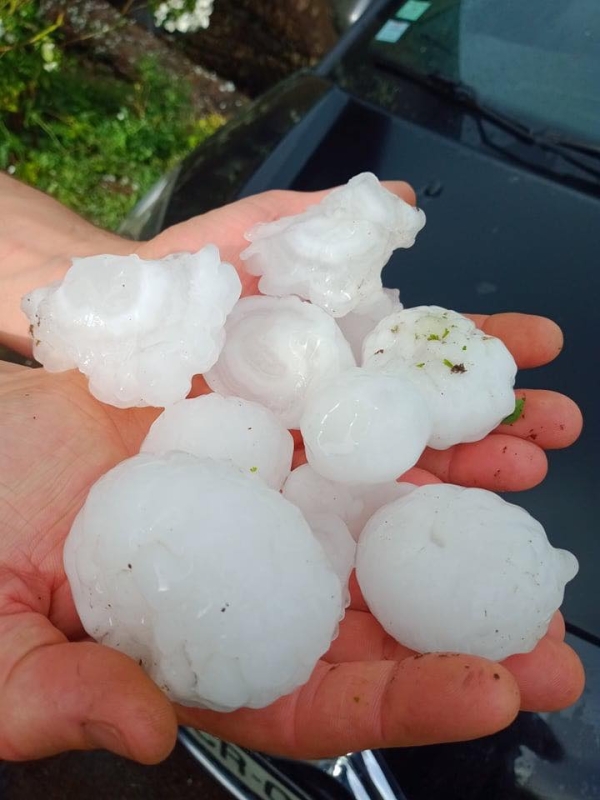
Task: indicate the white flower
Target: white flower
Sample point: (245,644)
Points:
(48,52)
(172,17)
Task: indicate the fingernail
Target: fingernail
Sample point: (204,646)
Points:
(103,736)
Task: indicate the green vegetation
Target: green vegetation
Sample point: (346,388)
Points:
(516,414)
(75,130)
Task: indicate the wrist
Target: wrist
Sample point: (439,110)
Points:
(38,239)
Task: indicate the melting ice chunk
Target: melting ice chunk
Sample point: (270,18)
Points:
(211,578)
(213,426)
(333,253)
(464,375)
(138,329)
(365,427)
(453,569)
(354,503)
(278,349)
(335,539)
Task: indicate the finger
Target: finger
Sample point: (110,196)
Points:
(549,419)
(499,462)
(419,477)
(362,638)
(556,629)
(299,458)
(199,386)
(532,340)
(550,678)
(58,696)
(423,700)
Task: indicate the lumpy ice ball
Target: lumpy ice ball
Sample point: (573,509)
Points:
(213,426)
(334,537)
(354,503)
(365,427)
(466,376)
(461,570)
(278,349)
(210,578)
(333,253)
(138,329)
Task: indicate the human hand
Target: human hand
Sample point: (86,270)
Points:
(60,691)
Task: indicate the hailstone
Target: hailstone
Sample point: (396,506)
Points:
(338,545)
(139,329)
(332,254)
(354,503)
(464,375)
(208,577)
(212,426)
(278,349)
(452,569)
(357,324)
(365,427)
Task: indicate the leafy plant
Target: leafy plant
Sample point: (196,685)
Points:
(73,129)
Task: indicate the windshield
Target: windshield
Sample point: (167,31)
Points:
(538,60)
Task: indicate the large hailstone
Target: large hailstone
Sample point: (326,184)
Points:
(140,330)
(365,427)
(208,577)
(213,426)
(466,376)
(452,569)
(333,253)
(354,503)
(338,545)
(278,349)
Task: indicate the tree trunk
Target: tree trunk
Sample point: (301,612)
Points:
(255,43)
(109,36)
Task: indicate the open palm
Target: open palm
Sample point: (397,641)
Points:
(59,691)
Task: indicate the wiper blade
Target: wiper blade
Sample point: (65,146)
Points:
(551,141)
(585,148)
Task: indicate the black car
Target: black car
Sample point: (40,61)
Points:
(492,111)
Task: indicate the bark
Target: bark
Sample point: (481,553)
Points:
(256,43)
(109,36)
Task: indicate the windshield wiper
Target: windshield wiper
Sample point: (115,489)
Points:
(582,155)
(551,141)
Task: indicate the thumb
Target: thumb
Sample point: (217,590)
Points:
(57,696)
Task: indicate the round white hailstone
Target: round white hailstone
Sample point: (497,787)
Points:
(357,324)
(337,542)
(210,578)
(354,503)
(140,330)
(226,428)
(466,376)
(365,427)
(333,253)
(460,570)
(277,350)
